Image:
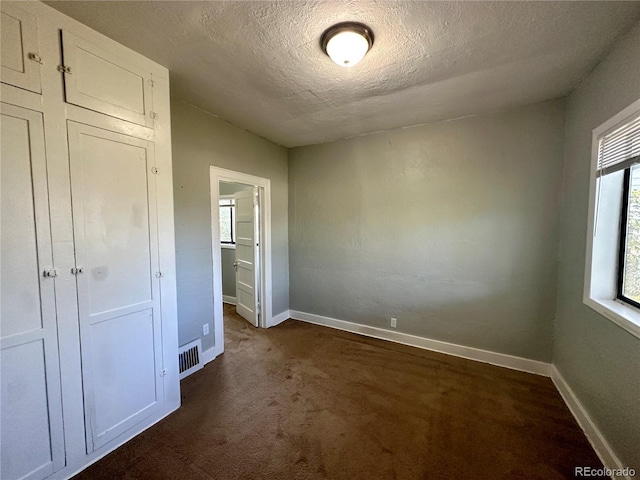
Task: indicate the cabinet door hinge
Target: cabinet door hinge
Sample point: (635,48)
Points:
(77,270)
(64,69)
(154,170)
(50,273)
(164,372)
(159,274)
(153,115)
(152,83)
(34,57)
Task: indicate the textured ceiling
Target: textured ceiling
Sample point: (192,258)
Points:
(259,64)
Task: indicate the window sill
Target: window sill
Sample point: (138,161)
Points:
(228,246)
(623,315)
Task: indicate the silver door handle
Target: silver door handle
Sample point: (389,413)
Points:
(235,265)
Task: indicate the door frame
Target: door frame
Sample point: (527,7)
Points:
(218,175)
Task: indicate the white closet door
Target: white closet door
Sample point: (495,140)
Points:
(32,444)
(101,81)
(115,228)
(19,35)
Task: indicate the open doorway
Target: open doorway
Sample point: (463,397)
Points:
(241,245)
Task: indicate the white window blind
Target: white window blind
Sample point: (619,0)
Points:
(620,148)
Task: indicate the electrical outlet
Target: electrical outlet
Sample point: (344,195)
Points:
(394,322)
(205,329)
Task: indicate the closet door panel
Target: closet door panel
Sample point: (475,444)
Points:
(19,39)
(32,444)
(134,361)
(116,228)
(101,81)
(25,412)
(20,271)
(115,225)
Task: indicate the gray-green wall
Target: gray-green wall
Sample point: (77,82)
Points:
(451,227)
(599,360)
(228,272)
(200,140)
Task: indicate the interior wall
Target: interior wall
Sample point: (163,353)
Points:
(451,227)
(199,141)
(228,272)
(599,360)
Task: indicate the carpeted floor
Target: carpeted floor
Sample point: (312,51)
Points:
(300,401)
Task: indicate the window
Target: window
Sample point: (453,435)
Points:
(629,250)
(612,273)
(227,216)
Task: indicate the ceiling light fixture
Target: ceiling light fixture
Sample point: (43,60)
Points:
(347,43)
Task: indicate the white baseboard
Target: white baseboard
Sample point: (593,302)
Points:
(209,355)
(278,319)
(228,299)
(596,439)
(485,356)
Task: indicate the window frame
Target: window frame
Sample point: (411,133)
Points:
(232,207)
(621,312)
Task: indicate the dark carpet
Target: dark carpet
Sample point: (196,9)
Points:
(300,401)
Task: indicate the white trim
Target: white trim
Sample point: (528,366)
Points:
(625,317)
(602,448)
(218,175)
(229,299)
(618,312)
(229,246)
(471,353)
(209,356)
(281,317)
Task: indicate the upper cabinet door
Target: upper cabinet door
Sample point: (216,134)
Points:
(19,49)
(102,81)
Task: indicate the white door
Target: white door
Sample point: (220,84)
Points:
(115,229)
(32,443)
(19,48)
(99,80)
(247,257)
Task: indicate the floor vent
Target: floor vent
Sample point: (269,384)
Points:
(189,358)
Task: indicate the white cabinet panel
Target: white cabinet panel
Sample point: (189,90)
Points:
(115,224)
(99,80)
(19,40)
(32,444)
(116,230)
(20,272)
(25,412)
(124,365)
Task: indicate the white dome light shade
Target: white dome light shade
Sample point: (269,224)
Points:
(347,43)
(347,48)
